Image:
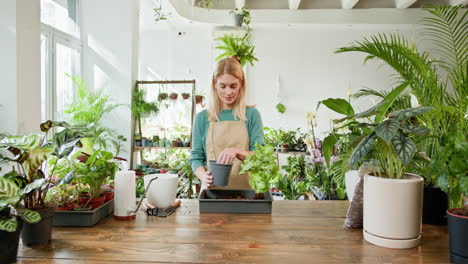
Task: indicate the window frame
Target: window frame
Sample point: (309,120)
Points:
(54,36)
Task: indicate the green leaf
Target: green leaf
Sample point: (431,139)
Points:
(442,183)
(8,225)
(327,147)
(388,101)
(362,148)
(8,188)
(404,147)
(67,179)
(33,186)
(410,112)
(30,216)
(387,129)
(338,105)
(281,108)
(418,130)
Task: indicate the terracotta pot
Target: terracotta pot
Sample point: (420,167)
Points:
(174,96)
(95,202)
(109,195)
(162,96)
(185,96)
(198,99)
(64,208)
(175,144)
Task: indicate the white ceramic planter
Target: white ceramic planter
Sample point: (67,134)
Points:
(351,179)
(162,191)
(393,211)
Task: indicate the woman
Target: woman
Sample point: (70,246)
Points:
(228,130)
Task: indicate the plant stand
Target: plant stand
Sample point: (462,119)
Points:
(84,218)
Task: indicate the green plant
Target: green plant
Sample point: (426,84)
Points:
(142,108)
(90,107)
(452,169)
(392,138)
(238,47)
(263,168)
(446,27)
(62,195)
(29,152)
(140,187)
(10,196)
(245,12)
(281,108)
(97,169)
(187,179)
(294,183)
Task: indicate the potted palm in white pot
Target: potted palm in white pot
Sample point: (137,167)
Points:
(392,198)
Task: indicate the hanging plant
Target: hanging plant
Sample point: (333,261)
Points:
(281,108)
(174,96)
(162,96)
(185,96)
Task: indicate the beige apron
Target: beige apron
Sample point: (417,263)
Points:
(228,134)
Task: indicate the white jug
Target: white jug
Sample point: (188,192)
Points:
(163,190)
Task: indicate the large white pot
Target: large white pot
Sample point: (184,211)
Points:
(393,211)
(351,179)
(162,191)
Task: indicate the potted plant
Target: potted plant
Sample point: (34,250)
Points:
(199,99)
(29,152)
(294,183)
(97,169)
(185,96)
(395,149)
(142,109)
(12,213)
(162,96)
(237,47)
(240,15)
(429,73)
(451,166)
(63,196)
(174,96)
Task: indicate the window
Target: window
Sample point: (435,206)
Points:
(60,56)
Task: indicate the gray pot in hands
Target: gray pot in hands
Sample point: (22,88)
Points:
(238,19)
(220,173)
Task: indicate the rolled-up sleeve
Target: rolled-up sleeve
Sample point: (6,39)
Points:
(198,154)
(255,127)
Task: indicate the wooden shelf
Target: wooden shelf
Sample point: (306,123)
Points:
(139,148)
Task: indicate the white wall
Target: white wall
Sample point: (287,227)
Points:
(20,103)
(301,55)
(8,66)
(109,33)
(28,65)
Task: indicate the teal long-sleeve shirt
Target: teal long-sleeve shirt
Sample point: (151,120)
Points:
(200,130)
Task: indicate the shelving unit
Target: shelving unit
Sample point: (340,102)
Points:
(140,149)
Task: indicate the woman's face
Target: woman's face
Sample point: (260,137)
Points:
(227,88)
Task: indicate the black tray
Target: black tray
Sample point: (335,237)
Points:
(209,203)
(83,218)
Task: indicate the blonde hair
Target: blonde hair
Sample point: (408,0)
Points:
(233,67)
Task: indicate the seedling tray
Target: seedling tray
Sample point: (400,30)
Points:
(83,218)
(214,201)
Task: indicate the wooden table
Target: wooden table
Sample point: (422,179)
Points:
(296,232)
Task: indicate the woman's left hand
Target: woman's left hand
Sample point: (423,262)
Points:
(227,156)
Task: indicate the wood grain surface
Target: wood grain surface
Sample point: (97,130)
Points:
(296,232)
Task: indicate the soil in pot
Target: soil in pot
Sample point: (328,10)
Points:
(435,205)
(9,244)
(39,233)
(458,234)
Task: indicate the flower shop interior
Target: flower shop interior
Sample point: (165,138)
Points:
(356,114)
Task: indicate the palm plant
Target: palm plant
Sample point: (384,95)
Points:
(89,108)
(447,29)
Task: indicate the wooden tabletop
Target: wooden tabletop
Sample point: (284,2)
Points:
(296,232)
